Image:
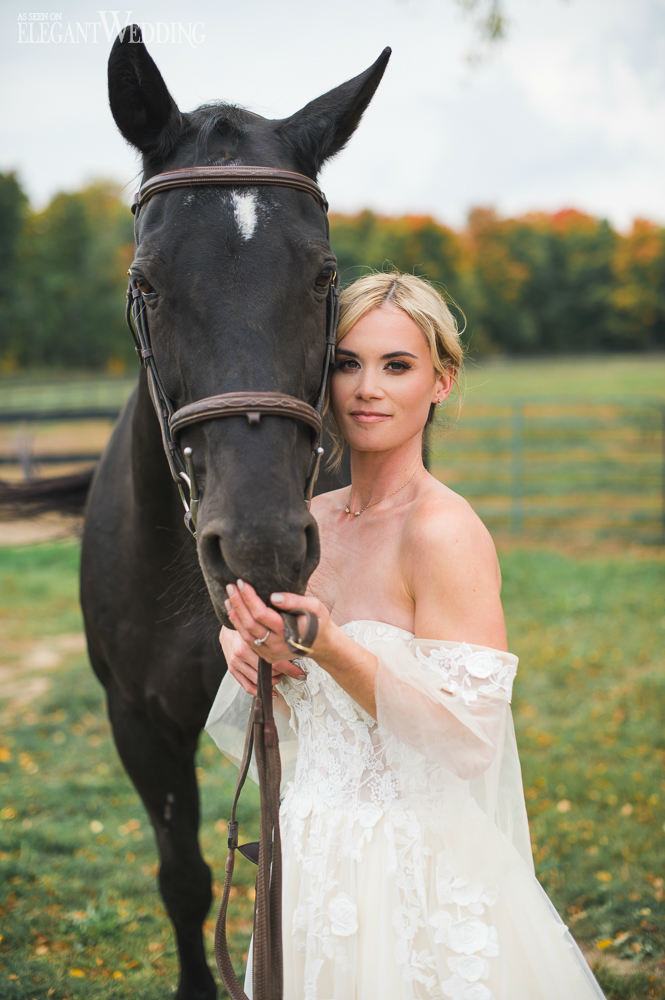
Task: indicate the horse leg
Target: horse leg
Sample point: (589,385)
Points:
(164,775)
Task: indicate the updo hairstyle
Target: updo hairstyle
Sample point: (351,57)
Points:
(422,303)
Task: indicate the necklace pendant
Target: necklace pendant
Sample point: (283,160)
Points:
(357,513)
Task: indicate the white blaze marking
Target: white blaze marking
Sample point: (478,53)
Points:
(244,209)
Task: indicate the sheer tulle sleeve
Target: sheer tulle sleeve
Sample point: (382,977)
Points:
(227,725)
(444,712)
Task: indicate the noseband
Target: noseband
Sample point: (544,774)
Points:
(252,405)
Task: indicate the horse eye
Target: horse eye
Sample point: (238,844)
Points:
(324,277)
(144,286)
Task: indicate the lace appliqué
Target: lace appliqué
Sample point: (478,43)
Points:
(462,926)
(344,803)
(469,672)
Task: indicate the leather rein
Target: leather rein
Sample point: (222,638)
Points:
(253,404)
(261,737)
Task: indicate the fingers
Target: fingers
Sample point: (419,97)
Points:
(296,602)
(255,625)
(262,629)
(287,602)
(241,659)
(249,614)
(283,667)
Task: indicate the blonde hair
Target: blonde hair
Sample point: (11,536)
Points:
(423,304)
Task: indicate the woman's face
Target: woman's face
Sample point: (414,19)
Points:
(384,381)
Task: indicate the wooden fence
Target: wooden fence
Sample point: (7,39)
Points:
(553,469)
(556,468)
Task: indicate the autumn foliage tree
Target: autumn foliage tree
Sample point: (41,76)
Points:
(537,284)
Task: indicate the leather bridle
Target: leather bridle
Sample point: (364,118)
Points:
(228,404)
(261,731)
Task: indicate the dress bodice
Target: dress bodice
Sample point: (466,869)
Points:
(340,751)
(342,756)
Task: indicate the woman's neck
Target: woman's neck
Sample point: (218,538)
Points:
(374,475)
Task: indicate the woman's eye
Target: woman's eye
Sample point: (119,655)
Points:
(398,366)
(346,365)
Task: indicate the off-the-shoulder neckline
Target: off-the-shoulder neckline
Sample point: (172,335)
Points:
(451,643)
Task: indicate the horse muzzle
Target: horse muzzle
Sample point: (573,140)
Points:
(277,553)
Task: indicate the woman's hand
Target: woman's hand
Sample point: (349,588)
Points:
(254,620)
(242,660)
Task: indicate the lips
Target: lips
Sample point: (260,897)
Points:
(368,416)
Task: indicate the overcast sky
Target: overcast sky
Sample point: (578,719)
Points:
(568,111)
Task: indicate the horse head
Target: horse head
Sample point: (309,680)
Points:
(234,284)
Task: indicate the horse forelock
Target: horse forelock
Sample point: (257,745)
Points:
(215,121)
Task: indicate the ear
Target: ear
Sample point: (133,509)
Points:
(323,127)
(143,109)
(442,387)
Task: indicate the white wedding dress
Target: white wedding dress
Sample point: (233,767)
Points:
(406,858)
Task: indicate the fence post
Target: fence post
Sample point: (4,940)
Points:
(517,468)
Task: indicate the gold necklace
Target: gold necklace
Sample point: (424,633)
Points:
(366,506)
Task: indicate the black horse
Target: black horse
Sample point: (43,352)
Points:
(234,284)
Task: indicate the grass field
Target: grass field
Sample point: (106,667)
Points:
(79,913)
(571,449)
(586,377)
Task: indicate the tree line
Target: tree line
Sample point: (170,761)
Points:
(542,283)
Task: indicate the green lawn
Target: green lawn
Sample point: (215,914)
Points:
(587,377)
(606,376)
(79,913)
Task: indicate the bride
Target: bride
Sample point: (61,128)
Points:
(406,858)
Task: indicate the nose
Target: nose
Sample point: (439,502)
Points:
(273,553)
(369,384)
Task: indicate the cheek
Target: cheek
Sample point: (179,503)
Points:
(417,397)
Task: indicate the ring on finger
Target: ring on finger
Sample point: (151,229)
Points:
(259,642)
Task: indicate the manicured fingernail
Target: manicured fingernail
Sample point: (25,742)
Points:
(230,589)
(241,584)
(227,605)
(277,598)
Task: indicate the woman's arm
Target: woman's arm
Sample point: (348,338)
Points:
(453,577)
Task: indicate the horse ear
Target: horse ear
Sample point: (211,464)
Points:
(143,109)
(323,127)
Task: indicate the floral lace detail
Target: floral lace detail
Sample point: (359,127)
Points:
(461,926)
(344,804)
(469,671)
(341,760)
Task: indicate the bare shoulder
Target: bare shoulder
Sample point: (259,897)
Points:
(452,570)
(444,528)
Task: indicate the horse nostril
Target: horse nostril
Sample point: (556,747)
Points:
(279,554)
(312,548)
(211,555)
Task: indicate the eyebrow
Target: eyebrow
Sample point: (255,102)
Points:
(384,357)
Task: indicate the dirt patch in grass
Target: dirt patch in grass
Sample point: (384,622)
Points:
(26,668)
(46,528)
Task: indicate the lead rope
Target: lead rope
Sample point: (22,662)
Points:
(262,737)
